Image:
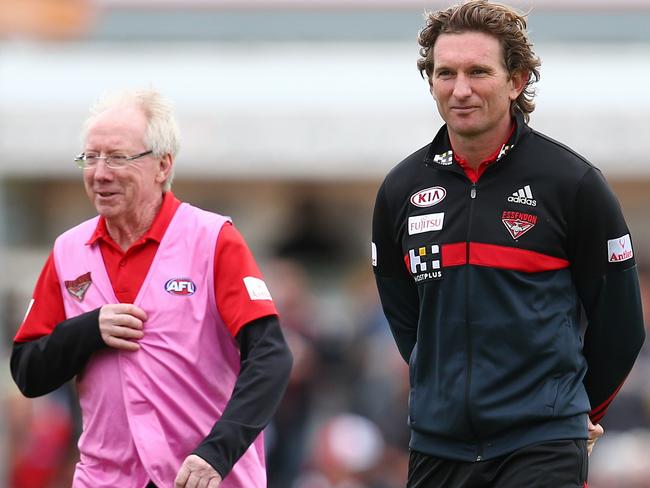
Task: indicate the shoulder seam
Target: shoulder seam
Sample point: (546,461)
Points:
(563,146)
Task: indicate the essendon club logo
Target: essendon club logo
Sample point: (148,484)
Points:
(79,286)
(518,223)
(180,286)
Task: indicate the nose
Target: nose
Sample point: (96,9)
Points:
(462,86)
(101,171)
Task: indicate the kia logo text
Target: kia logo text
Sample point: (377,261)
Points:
(429,196)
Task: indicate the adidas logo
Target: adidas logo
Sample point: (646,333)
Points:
(523,195)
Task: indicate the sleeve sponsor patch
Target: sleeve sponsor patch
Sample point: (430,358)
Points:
(619,249)
(256,288)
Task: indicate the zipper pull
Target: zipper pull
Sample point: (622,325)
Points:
(472,192)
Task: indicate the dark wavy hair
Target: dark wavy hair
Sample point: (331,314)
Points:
(499,21)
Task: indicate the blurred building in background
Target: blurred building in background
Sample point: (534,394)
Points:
(291,112)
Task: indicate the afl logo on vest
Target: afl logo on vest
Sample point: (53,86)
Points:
(180,286)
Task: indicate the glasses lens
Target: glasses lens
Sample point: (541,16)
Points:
(117,161)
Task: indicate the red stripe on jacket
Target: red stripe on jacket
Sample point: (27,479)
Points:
(597,413)
(501,257)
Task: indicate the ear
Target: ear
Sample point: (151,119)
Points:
(164,168)
(518,80)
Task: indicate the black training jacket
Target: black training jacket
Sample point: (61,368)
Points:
(485,286)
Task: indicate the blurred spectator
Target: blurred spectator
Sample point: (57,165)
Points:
(311,238)
(620,460)
(346,452)
(286,435)
(352,368)
(382,373)
(41,435)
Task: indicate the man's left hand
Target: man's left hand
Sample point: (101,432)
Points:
(196,473)
(594,433)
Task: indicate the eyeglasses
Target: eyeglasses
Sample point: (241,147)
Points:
(115,161)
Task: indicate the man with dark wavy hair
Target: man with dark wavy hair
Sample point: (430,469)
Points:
(492,246)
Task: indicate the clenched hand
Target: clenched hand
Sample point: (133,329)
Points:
(197,473)
(120,325)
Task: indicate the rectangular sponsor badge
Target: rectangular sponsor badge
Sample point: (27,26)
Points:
(425,223)
(619,249)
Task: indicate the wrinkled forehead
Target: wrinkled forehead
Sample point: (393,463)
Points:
(120,127)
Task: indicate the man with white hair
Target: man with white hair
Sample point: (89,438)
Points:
(160,311)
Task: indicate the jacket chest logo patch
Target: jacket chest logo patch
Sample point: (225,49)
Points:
(424,263)
(180,286)
(518,223)
(445,159)
(425,223)
(504,150)
(524,196)
(428,197)
(79,286)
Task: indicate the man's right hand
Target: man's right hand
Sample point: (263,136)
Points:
(120,325)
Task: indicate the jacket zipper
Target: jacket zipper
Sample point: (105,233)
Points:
(468,377)
(468,382)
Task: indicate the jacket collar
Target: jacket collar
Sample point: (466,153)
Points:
(441,155)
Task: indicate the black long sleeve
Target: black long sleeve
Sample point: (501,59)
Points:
(400,302)
(265,366)
(397,290)
(609,289)
(42,365)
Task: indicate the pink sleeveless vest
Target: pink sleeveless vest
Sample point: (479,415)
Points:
(145,411)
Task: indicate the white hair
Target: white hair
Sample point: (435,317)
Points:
(161,134)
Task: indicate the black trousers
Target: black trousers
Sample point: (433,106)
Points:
(556,464)
(150,485)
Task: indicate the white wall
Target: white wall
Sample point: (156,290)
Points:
(296,110)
